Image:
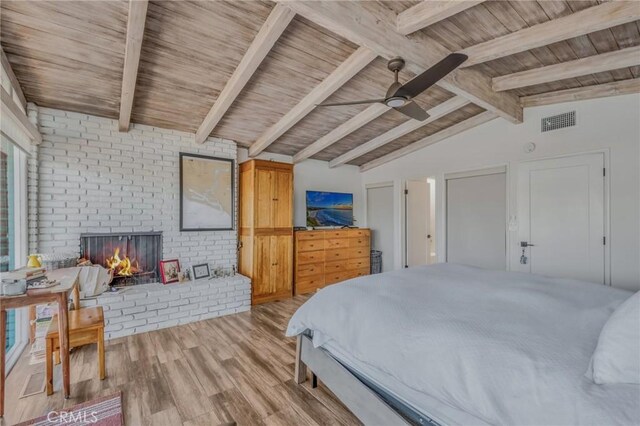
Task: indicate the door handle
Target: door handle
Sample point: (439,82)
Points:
(526,244)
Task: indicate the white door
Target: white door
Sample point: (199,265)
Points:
(476,219)
(561,214)
(380,220)
(433,258)
(417,223)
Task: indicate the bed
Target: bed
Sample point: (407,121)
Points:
(455,345)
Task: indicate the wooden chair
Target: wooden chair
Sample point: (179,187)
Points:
(86,326)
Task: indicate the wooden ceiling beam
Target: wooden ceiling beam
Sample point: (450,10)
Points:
(372,25)
(15,84)
(371,113)
(401,130)
(586,21)
(615,88)
(345,71)
(135,34)
(429,12)
(11,109)
(590,65)
(468,124)
(269,33)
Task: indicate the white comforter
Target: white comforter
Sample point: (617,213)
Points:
(507,348)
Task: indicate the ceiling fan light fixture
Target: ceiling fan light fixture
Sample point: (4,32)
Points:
(395,101)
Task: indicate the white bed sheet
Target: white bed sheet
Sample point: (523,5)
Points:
(499,347)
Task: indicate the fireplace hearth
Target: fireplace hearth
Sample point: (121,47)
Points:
(133,257)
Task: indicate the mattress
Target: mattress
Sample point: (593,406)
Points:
(463,345)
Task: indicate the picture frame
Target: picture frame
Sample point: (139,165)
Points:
(169,271)
(201,271)
(207,188)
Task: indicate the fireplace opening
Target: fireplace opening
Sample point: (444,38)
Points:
(132,257)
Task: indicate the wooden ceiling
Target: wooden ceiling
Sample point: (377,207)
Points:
(71,54)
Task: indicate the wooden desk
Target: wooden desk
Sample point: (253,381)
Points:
(68,278)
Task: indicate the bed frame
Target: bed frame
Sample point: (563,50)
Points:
(365,403)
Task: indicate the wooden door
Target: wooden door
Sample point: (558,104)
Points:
(263,279)
(283,194)
(282,252)
(264,198)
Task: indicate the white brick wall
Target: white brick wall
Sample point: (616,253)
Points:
(148,307)
(93,178)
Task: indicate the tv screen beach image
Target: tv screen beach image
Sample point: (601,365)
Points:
(329,209)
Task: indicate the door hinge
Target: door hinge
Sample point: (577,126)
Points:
(604,171)
(604,241)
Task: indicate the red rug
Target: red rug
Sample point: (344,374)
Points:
(105,411)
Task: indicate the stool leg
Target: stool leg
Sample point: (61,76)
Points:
(57,356)
(49,366)
(101,365)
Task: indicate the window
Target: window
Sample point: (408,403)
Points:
(13,234)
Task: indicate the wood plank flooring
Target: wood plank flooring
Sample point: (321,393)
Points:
(233,369)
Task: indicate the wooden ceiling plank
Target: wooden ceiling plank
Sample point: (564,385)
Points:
(591,65)
(135,35)
(615,88)
(401,130)
(586,21)
(431,139)
(345,71)
(372,25)
(346,128)
(270,32)
(429,12)
(15,84)
(12,110)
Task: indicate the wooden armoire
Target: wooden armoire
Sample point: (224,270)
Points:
(266,229)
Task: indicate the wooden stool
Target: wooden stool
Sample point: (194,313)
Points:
(86,326)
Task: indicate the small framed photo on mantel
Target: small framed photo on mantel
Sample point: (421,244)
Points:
(206,193)
(201,271)
(169,270)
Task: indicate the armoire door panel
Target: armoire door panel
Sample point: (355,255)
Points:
(283,260)
(283,194)
(264,198)
(263,278)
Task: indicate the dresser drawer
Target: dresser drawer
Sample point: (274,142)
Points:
(361,272)
(337,233)
(309,235)
(331,267)
(359,252)
(359,242)
(310,245)
(338,276)
(359,233)
(309,284)
(338,254)
(361,263)
(333,243)
(310,257)
(309,269)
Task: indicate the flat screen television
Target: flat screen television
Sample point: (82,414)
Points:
(329,209)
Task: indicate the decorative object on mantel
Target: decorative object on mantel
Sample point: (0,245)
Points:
(169,271)
(206,193)
(105,411)
(201,271)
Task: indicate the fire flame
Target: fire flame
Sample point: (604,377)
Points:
(122,267)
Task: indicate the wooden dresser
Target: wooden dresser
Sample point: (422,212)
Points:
(324,257)
(266,229)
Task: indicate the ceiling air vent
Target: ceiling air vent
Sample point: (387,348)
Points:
(560,121)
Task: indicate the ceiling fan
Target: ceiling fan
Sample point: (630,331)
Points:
(399,96)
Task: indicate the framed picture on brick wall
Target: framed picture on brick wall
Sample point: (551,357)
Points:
(206,193)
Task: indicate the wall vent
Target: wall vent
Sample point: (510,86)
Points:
(560,121)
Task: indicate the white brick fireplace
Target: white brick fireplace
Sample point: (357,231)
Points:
(87,177)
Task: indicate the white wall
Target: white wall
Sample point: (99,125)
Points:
(314,175)
(611,124)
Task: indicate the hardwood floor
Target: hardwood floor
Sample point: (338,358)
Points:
(233,369)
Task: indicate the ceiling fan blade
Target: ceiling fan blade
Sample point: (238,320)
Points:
(431,76)
(413,110)
(367,101)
